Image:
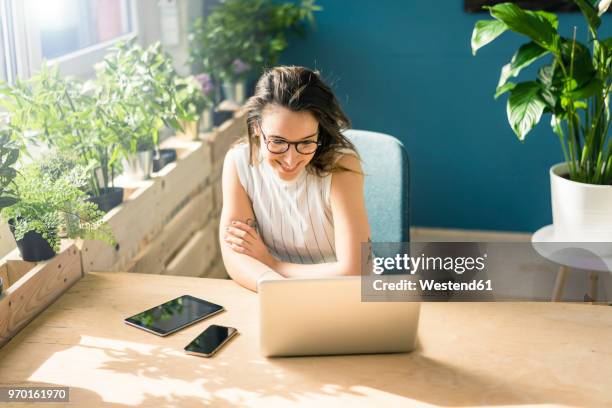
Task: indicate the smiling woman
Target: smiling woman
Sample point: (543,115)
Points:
(293,201)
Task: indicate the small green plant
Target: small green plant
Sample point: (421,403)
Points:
(240,36)
(63,114)
(9,153)
(193,94)
(573,86)
(285,19)
(136,94)
(51,202)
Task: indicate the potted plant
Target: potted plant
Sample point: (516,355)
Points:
(139,85)
(60,113)
(243,36)
(573,86)
(192,94)
(228,35)
(207,87)
(50,205)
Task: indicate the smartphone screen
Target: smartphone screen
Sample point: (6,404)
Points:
(210,340)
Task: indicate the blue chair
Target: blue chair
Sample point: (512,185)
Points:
(387,184)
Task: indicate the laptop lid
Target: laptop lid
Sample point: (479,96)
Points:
(322,316)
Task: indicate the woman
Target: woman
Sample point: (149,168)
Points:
(293,203)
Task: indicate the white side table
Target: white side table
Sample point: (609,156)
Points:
(594,257)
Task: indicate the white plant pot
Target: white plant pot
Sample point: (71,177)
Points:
(240,92)
(581,212)
(138,166)
(235,91)
(205,124)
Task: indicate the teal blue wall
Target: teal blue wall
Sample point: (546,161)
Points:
(405,68)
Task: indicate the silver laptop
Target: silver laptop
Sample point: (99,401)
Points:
(300,317)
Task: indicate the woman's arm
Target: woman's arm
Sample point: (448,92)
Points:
(243,268)
(350,225)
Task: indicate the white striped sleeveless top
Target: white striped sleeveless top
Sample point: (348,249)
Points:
(294,217)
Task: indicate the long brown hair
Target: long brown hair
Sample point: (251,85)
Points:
(301,89)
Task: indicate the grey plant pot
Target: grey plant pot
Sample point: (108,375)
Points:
(205,124)
(139,165)
(235,91)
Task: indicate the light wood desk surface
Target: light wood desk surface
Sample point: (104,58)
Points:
(470,354)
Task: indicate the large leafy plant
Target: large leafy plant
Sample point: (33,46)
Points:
(242,35)
(573,85)
(51,202)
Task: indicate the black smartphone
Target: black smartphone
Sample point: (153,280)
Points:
(173,315)
(210,340)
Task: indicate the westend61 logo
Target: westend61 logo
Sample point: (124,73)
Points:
(412,265)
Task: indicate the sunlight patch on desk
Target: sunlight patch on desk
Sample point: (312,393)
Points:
(115,369)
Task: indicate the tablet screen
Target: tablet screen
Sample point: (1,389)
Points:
(173,315)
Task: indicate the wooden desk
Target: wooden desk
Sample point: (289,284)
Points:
(470,354)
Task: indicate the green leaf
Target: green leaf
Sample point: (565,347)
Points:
(546,74)
(556,125)
(7,201)
(551,86)
(590,13)
(8,173)
(603,48)
(508,86)
(174,124)
(525,55)
(579,57)
(593,87)
(525,107)
(581,105)
(12,157)
(486,31)
(540,26)
(607,43)
(549,98)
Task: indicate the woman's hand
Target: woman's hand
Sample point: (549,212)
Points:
(244,239)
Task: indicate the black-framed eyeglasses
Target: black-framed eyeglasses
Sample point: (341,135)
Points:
(279,146)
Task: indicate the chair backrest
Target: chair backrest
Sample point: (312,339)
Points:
(387,184)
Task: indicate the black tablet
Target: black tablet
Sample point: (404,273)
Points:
(173,315)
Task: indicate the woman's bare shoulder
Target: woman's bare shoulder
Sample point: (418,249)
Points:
(240,151)
(348,159)
(238,148)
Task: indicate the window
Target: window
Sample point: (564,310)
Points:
(72,33)
(66,26)
(3,74)
(6,46)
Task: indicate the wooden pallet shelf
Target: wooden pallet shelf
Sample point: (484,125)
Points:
(34,286)
(166,220)
(150,207)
